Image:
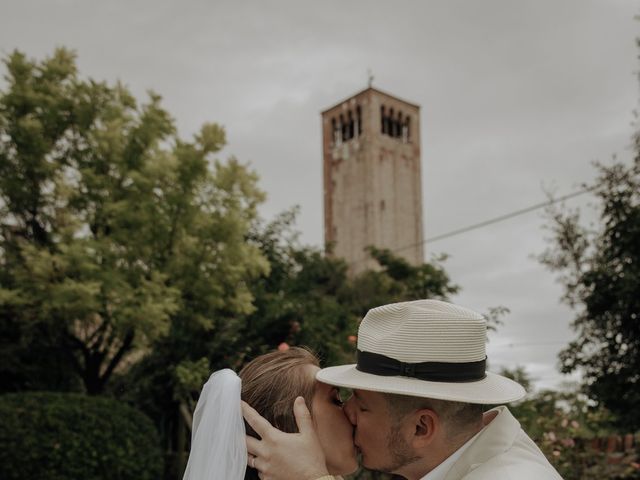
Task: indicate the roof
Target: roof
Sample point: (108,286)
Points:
(363,91)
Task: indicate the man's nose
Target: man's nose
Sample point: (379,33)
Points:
(350,410)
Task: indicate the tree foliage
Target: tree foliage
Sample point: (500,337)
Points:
(305,298)
(112,228)
(600,270)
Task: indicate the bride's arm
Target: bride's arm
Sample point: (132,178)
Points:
(286,456)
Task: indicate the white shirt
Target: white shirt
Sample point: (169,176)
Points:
(441,470)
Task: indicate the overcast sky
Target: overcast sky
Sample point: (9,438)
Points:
(516,96)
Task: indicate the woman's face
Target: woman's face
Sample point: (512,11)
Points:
(334,429)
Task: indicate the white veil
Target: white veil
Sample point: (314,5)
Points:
(218,446)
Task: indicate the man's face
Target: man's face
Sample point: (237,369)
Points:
(377,436)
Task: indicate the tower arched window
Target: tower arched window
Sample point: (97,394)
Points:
(406,130)
(337,133)
(399,123)
(358,121)
(383,120)
(351,125)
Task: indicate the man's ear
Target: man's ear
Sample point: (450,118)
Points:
(427,427)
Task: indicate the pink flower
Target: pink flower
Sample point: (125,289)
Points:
(352,339)
(575,424)
(556,453)
(283,347)
(564,422)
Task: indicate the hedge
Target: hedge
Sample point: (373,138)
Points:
(62,436)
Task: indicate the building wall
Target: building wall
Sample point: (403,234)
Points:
(372,183)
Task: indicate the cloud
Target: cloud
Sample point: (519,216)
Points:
(514,95)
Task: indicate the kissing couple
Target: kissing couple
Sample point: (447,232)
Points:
(417,408)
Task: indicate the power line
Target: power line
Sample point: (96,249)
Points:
(507,216)
(528,344)
(491,221)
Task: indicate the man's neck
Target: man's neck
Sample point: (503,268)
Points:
(437,455)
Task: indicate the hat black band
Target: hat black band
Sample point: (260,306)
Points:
(377,364)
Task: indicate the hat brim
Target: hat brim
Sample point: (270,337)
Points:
(491,390)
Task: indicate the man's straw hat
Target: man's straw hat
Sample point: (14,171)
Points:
(424,348)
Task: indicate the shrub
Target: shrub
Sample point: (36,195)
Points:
(61,436)
(570,432)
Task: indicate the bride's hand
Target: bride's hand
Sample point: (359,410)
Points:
(285,456)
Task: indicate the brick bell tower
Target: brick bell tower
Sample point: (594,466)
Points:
(372,178)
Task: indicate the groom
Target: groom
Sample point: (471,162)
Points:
(418,390)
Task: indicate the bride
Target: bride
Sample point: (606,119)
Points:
(269,383)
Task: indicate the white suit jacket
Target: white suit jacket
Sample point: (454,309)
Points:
(502,451)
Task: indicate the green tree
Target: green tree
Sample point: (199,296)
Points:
(600,270)
(301,301)
(305,298)
(308,298)
(112,228)
(397,280)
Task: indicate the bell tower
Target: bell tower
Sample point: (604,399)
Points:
(372,178)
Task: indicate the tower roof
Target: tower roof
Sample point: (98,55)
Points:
(376,90)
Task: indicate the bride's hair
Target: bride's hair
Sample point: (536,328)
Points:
(270,384)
